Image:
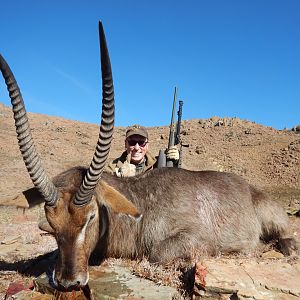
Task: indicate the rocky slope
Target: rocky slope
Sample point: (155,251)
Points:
(266,157)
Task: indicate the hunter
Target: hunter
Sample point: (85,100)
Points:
(137,159)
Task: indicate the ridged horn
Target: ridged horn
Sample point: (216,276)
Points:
(85,192)
(30,156)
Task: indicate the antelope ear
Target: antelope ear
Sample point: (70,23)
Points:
(45,226)
(118,202)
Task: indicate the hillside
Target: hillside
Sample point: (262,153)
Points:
(266,157)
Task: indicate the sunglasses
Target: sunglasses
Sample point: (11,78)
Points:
(134,142)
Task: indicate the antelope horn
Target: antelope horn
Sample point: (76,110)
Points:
(30,156)
(85,192)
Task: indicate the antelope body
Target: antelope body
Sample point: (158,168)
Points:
(173,213)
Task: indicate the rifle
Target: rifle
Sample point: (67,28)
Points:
(174,137)
(177,136)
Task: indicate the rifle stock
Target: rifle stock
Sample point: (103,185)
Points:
(162,159)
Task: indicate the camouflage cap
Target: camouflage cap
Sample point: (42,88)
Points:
(138,130)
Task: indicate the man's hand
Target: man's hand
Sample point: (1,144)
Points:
(127,170)
(172,153)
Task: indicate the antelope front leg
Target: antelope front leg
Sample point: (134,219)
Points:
(174,247)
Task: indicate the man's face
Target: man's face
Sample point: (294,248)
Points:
(137,146)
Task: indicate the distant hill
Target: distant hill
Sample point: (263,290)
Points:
(266,157)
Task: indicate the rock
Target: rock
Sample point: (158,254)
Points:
(296,128)
(107,282)
(16,287)
(272,254)
(248,279)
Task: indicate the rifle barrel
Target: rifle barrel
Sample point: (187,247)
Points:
(172,126)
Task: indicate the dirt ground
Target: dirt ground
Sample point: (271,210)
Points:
(266,157)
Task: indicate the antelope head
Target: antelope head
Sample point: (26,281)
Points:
(71,207)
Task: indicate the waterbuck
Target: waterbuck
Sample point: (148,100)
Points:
(163,215)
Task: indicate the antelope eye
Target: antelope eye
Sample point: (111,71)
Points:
(92,217)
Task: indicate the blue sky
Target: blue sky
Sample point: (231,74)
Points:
(234,58)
